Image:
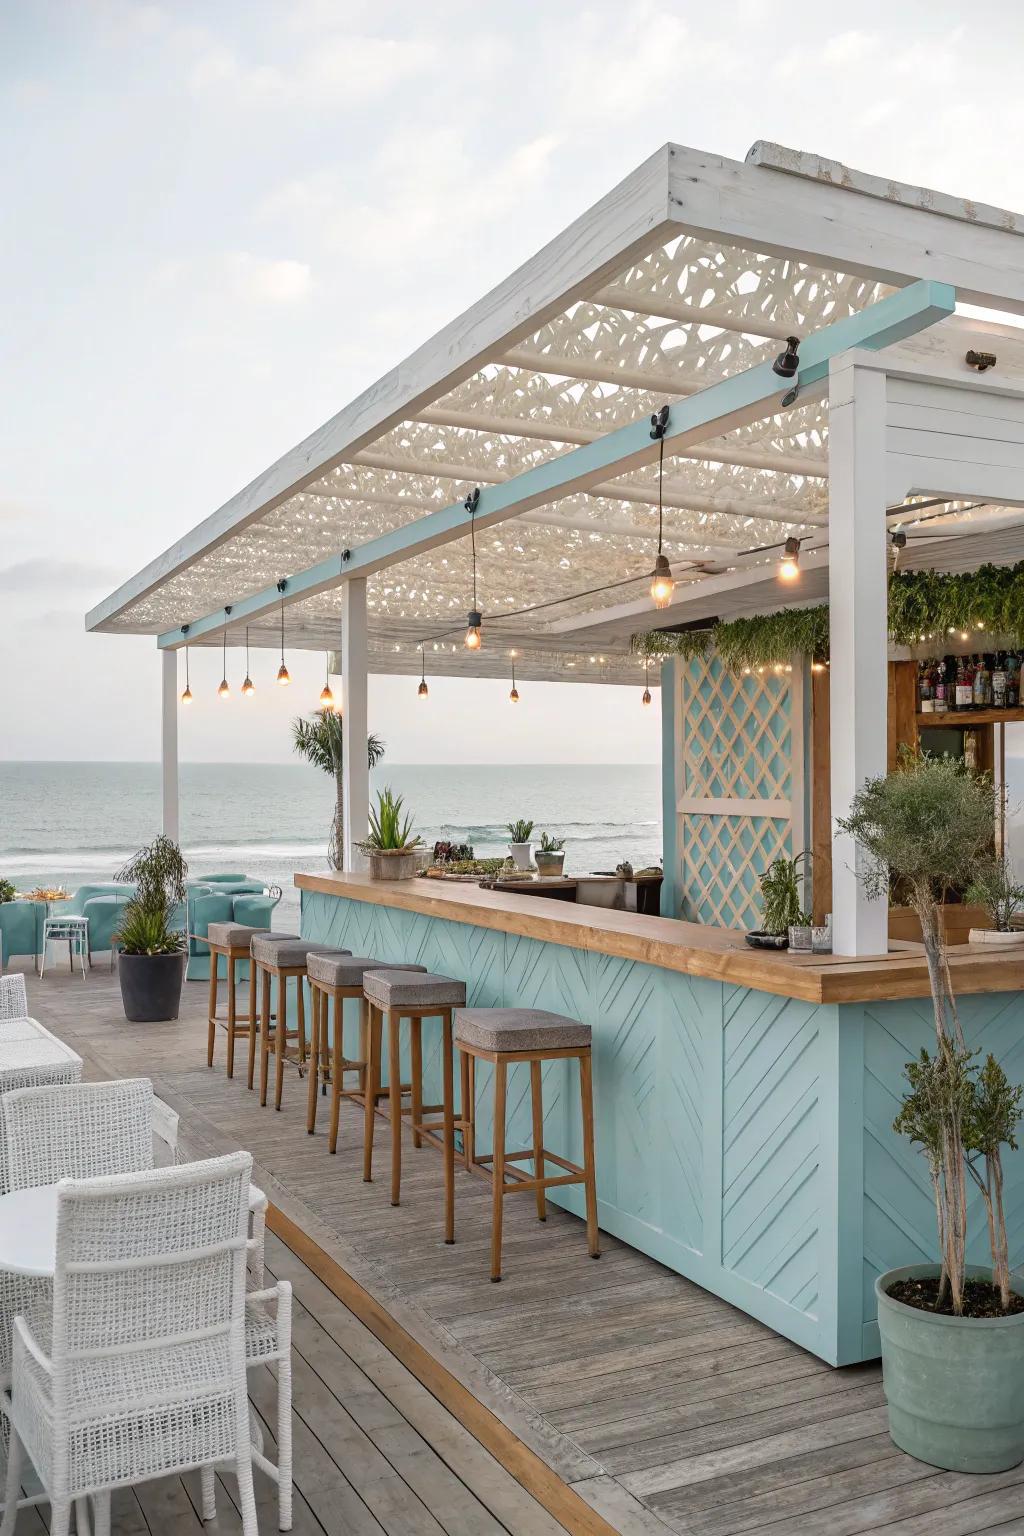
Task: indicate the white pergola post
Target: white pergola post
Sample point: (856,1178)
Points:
(169,743)
(355,772)
(858,631)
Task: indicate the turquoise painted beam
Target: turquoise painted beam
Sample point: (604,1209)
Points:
(731,403)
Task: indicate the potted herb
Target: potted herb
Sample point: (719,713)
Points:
(952,1334)
(151,964)
(391,845)
(550,856)
(995,889)
(783,920)
(519,846)
(7,891)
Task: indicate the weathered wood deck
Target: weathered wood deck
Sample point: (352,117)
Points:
(660,1406)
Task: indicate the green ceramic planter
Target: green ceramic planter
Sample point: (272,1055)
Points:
(955,1385)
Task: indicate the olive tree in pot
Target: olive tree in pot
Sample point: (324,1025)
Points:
(952,1334)
(151,963)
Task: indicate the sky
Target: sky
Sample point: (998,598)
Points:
(220,221)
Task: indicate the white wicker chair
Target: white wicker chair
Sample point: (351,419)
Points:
(13,997)
(78,1131)
(141,1372)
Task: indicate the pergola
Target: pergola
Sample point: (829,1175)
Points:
(679,288)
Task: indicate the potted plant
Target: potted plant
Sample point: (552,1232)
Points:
(783,920)
(391,845)
(550,856)
(519,846)
(952,1334)
(995,889)
(151,964)
(7,891)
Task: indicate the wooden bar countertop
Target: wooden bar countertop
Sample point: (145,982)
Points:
(695,949)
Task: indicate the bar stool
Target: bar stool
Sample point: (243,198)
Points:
(283,958)
(504,1036)
(337,978)
(393,995)
(232,941)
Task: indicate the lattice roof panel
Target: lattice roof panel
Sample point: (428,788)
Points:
(625,320)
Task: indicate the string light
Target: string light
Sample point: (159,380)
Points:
(474,618)
(662,583)
(326,696)
(248,687)
(423,691)
(789,565)
(514,695)
(224,690)
(283,675)
(186,697)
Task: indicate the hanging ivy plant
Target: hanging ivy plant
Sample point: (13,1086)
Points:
(925,608)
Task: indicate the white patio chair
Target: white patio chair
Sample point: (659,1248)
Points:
(13,997)
(140,1371)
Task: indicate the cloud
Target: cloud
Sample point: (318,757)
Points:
(339,68)
(42,575)
(282,281)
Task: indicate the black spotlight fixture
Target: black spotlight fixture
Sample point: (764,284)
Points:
(787,363)
(898,541)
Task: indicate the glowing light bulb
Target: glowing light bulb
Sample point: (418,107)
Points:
(326,698)
(186,697)
(662,583)
(474,620)
(224,691)
(423,691)
(283,675)
(789,565)
(514,696)
(646,699)
(248,687)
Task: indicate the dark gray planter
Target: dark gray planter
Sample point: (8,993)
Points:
(955,1385)
(151,986)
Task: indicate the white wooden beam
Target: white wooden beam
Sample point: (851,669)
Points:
(858,636)
(355,772)
(603,371)
(171,820)
(634,300)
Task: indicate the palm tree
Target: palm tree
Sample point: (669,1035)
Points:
(320,740)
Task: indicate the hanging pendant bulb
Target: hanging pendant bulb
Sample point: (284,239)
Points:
(789,565)
(662,583)
(283,675)
(514,695)
(646,699)
(224,690)
(248,687)
(474,618)
(186,697)
(422,691)
(326,696)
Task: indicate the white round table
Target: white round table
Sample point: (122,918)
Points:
(28,1229)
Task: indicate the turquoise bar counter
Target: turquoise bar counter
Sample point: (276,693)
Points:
(744,1102)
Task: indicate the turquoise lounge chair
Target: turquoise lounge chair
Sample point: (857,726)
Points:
(21,930)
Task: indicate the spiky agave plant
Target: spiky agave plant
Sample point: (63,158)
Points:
(321,741)
(390,831)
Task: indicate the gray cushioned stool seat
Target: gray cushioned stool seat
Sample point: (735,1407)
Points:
(393,988)
(275,950)
(519,1029)
(237,935)
(348,970)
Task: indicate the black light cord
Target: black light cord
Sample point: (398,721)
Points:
(661,474)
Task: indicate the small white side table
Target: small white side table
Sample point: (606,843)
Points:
(71,930)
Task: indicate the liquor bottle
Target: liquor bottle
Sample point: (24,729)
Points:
(999,681)
(980,683)
(963,687)
(1012,681)
(925,695)
(940,703)
(971,751)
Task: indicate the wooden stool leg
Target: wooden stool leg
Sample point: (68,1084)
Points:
(230,962)
(395,1095)
(370,1100)
(364,1044)
(469,1115)
(416,1053)
(316,1000)
(336,1055)
(300,1014)
(590,1179)
(280,1037)
(465,1105)
(536,1095)
(448,1070)
(264,1033)
(252,1021)
(498,1167)
(212,1034)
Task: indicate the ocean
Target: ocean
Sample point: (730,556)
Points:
(73,823)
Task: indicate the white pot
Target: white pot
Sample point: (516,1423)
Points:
(522,855)
(997,940)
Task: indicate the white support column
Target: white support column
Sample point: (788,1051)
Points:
(355,773)
(169,742)
(858,631)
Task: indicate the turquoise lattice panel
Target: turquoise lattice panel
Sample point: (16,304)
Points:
(723,859)
(736,733)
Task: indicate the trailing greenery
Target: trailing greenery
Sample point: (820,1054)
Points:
(390,831)
(928,825)
(321,741)
(7,891)
(925,608)
(780,890)
(519,831)
(995,889)
(551,844)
